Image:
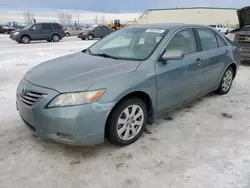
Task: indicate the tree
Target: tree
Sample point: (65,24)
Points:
(28,17)
(68,18)
(65,18)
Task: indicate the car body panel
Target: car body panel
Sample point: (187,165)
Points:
(77,71)
(38,34)
(97,32)
(168,85)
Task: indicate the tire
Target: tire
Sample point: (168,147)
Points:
(6,32)
(83,38)
(226,82)
(90,37)
(122,134)
(55,38)
(49,40)
(67,34)
(25,39)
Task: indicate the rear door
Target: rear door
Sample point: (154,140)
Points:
(215,53)
(46,31)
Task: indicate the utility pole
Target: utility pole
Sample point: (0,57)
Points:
(78,18)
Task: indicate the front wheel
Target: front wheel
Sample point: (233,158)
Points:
(90,37)
(127,122)
(226,82)
(25,40)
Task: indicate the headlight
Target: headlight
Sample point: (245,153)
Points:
(68,99)
(16,33)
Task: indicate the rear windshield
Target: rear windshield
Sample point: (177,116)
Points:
(212,25)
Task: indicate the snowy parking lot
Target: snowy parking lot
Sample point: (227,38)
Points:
(205,144)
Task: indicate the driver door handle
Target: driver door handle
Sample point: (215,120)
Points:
(198,61)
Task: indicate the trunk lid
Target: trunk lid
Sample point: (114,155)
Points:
(244,16)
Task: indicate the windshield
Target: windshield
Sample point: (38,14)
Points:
(129,43)
(28,26)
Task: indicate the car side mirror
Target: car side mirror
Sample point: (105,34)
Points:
(172,55)
(32,29)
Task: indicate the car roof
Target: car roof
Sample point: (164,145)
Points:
(167,26)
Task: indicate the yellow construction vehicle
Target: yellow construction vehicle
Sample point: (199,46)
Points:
(116,25)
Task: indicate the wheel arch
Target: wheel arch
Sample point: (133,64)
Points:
(234,67)
(135,94)
(25,35)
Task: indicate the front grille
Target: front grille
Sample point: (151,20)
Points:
(243,39)
(31,98)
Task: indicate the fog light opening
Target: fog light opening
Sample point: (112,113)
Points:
(65,136)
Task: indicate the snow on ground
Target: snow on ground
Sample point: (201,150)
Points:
(197,148)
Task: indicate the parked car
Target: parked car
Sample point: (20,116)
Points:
(125,80)
(39,31)
(221,28)
(71,31)
(241,35)
(95,32)
(6,29)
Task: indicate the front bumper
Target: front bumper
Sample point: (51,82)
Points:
(74,125)
(15,37)
(245,53)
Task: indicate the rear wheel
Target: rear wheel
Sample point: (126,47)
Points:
(55,38)
(25,39)
(127,122)
(6,32)
(67,34)
(226,82)
(90,37)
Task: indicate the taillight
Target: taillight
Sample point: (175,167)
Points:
(62,30)
(231,36)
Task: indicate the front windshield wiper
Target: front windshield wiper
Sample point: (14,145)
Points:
(87,50)
(105,55)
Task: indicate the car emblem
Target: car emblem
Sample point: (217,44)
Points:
(23,89)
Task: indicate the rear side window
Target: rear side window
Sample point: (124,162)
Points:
(56,26)
(46,27)
(221,42)
(207,38)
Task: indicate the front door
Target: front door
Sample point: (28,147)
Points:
(178,80)
(35,32)
(214,55)
(97,32)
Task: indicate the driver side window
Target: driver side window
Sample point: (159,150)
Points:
(184,40)
(36,27)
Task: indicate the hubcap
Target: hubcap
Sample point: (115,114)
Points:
(56,38)
(130,122)
(25,39)
(227,80)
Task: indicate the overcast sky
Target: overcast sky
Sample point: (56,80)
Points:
(116,6)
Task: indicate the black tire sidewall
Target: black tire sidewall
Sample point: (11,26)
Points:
(115,114)
(220,90)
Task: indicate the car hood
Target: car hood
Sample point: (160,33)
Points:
(77,72)
(244,16)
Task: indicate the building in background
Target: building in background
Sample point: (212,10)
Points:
(196,15)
